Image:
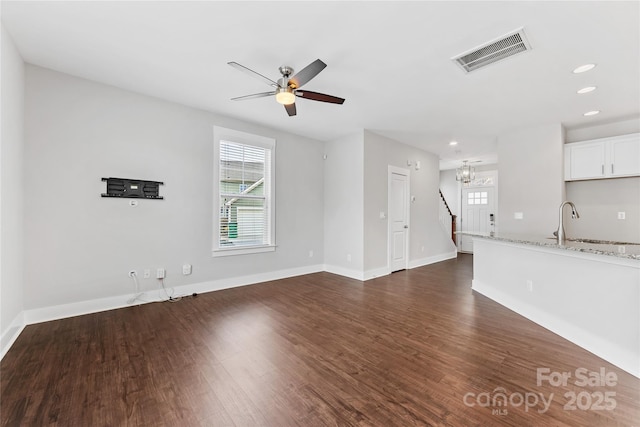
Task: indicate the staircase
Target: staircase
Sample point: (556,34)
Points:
(447,219)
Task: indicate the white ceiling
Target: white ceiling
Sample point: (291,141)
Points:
(390,60)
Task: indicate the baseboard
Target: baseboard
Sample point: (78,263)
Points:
(432,259)
(346,272)
(46,314)
(234,282)
(62,311)
(608,351)
(384,271)
(376,272)
(11,334)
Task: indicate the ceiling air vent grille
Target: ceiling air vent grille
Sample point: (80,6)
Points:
(493,51)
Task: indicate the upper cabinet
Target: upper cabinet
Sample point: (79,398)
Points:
(613,157)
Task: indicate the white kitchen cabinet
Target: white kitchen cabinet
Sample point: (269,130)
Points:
(613,157)
(625,156)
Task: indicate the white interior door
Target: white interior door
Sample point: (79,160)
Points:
(398,219)
(477,214)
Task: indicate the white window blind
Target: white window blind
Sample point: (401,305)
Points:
(244,193)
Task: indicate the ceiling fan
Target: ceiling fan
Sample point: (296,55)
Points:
(288,87)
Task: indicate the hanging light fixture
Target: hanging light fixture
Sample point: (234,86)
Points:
(465,173)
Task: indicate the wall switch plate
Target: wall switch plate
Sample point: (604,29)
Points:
(518,215)
(530,285)
(186,269)
(622,215)
(160,273)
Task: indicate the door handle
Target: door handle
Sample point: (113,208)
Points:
(406,226)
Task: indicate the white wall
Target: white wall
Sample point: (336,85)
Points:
(621,127)
(356,173)
(11,190)
(591,300)
(427,240)
(530,166)
(343,206)
(80,246)
(599,201)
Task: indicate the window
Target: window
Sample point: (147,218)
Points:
(243,193)
(477,198)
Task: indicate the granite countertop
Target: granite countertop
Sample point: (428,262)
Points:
(598,247)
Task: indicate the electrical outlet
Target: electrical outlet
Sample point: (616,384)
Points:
(348,257)
(186,269)
(160,273)
(310,254)
(147,273)
(530,285)
(622,215)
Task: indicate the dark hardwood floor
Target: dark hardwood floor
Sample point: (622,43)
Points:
(417,347)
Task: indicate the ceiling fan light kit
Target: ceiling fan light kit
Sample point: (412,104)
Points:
(285,96)
(286,88)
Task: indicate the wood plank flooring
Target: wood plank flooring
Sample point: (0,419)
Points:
(417,347)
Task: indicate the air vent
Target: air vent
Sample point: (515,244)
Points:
(496,50)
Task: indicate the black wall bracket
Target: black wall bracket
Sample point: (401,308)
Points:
(132,188)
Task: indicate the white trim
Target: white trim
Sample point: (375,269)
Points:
(406,173)
(11,334)
(606,350)
(242,250)
(62,311)
(346,272)
(245,138)
(46,314)
(376,272)
(249,139)
(433,259)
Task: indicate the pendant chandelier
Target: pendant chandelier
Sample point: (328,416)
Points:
(465,173)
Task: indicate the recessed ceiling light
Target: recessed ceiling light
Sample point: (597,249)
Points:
(452,143)
(587,89)
(583,68)
(591,113)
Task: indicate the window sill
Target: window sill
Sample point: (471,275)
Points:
(242,251)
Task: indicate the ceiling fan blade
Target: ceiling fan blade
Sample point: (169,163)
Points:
(255,95)
(307,73)
(291,109)
(306,94)
(253,73)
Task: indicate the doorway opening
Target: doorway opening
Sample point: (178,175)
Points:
(478,207)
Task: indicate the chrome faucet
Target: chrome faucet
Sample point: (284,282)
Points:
(574,214)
